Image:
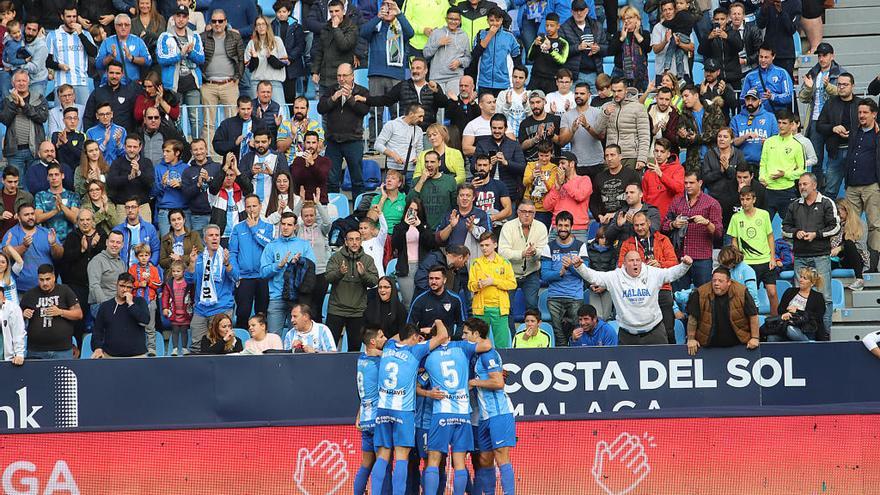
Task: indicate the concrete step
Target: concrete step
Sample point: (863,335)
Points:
(850,332)
(855,21)
(866,299)
(847,4)
(866,45)
(872,279)
(857,315)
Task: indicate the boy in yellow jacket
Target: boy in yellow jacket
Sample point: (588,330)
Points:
(491,276)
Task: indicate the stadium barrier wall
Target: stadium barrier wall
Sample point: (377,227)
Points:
(783,419)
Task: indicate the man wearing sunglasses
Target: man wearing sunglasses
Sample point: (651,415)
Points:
(223,67)
(752,126)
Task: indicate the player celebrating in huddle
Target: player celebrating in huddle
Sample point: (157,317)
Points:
(395,422)
(448,367)
(368,390)
(496,433)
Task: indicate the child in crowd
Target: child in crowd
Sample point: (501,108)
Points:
(374,232)
(261,340)
(531,337)
(147,282)
(15,55)
(548,54)
(177,304)
(603,258)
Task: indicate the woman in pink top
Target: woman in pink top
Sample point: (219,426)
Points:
(411,240)
(260,339)
(570,193)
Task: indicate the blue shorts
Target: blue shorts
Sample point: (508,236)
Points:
(476,436)
(367,439)
(497,432)
(451,430)
(422,442)
(394,429)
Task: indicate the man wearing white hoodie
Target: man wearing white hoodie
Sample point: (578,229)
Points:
(634,288)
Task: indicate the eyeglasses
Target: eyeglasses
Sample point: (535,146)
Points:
(527,212)
(130,207)
(218,21)
(123,24)
(347,74)
(105,114)
(152,117)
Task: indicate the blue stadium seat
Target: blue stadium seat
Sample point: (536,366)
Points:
(587,296)
(837,294)
(680,332)
(787,275)
(371,173)
(614,325)
(86,350)
(361,79)
(360,197)
(341,202)
(843,273)
(169,347)
(518,309)
(391,267)
(326,303)
(343,343)
(242,334)
(761,319)
(543,306)
(781,287)
(591,230)
(545,327)
(763,302)
(776,223)
(313,111)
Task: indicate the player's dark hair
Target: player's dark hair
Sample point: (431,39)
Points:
(487,235)
(477,325)
(10,170)
(458,250)
(304,309)
(437,268)
(664,143)
(564,215)
(744,167)
(45,268)
(533,312)
(722,270)
(499,117)
(747,191)
(369,334)
(125,277)
(408,330)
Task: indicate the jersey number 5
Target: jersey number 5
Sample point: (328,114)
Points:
(449,373)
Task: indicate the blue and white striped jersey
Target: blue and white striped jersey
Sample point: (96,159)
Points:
(492,402)
(448,367)
(368,388)
(397,374)
(319,337)
(67,49)
(424,405)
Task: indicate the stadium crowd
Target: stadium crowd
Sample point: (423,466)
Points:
(521,182)
(525,179)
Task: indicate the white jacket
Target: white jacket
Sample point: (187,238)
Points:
(13,330)
(635,298)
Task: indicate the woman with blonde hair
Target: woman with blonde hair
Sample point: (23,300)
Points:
(631,49)
(804,310)
(95,199)
(848,245)
(667,80)
(266,59)
(451,159)
(92,166)
(221,338)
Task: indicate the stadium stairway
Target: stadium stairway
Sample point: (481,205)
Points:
(853,29)
(861,312)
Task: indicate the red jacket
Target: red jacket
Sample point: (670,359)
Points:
(664,252)
(573,197)
(659,191)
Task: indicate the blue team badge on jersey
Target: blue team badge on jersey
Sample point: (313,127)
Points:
(762,121)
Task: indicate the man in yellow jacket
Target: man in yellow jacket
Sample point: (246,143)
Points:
(491,277)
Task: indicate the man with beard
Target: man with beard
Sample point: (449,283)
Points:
(622,226)
(772,82)
(435,189)
(82,244)
(350,271)
(292,133)
(539,127)
(401,141)
(310,171)
(36,66)
(492,196)
(625,122)
(130,175)
(262,160)
(655,249)
(119,96)
(479,126)
(37,177)
(751,127)
(195,180)
(839,116)
(713,86)
(343,108)
(36,245)
(505,155)
(578,127)
(13,196)
(461,109)
(70,47)
(862,176)
(610,186)
(565,293)
(663,117)
(235,134)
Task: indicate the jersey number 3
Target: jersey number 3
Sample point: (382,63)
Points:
(391,370)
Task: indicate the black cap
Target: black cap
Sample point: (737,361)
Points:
(824,49)
(711,65)
(181,10)
(568,155)
(578,5)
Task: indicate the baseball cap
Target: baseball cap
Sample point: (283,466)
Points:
(181,10)
(711,65)
(752,93)
(537,94)
(578,5)
(568,155)
(824,49)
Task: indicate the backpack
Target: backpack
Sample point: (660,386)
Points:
(336,236)
(299,280)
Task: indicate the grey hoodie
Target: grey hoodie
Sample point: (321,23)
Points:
(104,271)
(441,56)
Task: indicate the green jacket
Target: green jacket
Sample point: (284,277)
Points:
(781,153)
(438,197)
(21,197)
(474,19)
(348,296)
(423,14)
